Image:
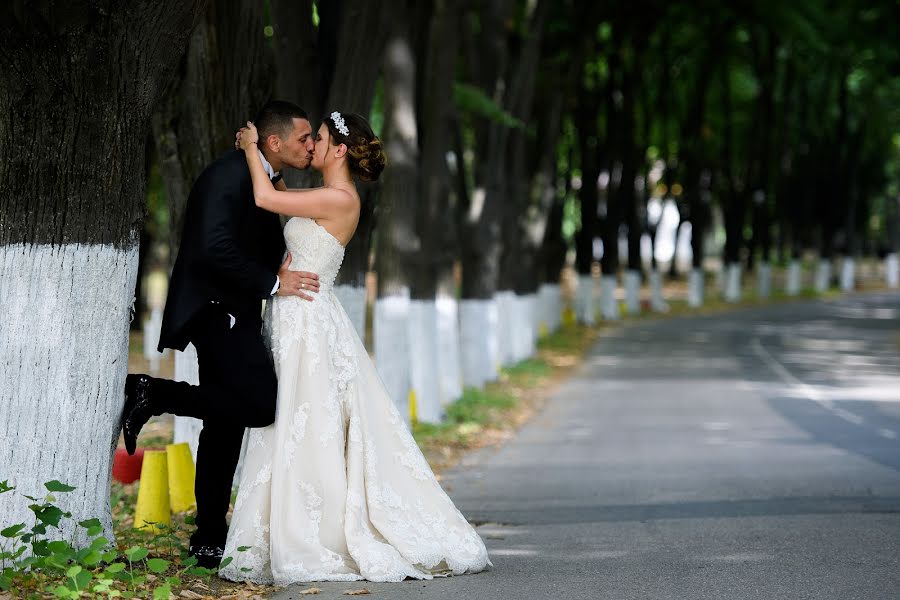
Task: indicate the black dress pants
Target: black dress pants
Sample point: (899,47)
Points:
(237,389)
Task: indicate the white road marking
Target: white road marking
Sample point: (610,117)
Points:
(807,390)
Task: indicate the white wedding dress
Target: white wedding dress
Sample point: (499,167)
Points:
(337,489)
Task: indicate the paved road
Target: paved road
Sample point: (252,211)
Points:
(753,455)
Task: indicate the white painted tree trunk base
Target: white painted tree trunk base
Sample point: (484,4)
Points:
(449,368)
(848,274)
(554,314)
(633,292)
(423,360)
(794,278)
(722,279)
(545,310)
(390,330)
(608,306)
(892,271)
(152,328)
(695,288)
(657,301)
(353,299)
(522,332)
(764,280)
(733,282)
(532,314)
(64,357)
(478,325)
(823,276)
(505,301)
(187,429)
(584,300)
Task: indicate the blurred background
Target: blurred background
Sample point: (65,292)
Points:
(557,158)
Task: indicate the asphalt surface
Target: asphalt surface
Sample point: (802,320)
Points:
(748,455)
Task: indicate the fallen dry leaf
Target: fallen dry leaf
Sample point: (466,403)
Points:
(309,591)
(361,592)
(190,595)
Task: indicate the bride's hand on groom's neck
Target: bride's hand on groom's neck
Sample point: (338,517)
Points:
(247,136)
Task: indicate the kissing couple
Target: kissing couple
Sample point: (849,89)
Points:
(333,486)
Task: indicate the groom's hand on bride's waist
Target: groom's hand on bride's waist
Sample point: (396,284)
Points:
(296,283)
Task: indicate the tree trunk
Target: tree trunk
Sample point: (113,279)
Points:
(80,84)
(433,284)
(398,242)
(299,70)
(221,82)
(481,231)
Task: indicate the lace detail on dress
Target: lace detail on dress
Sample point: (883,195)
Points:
(337,489)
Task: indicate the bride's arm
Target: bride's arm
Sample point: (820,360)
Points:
(316,203)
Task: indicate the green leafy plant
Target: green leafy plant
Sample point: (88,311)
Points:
(34,565)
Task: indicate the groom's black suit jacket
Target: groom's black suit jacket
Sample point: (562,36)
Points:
(230,250)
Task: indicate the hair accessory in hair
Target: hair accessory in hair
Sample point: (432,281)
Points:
(339,123)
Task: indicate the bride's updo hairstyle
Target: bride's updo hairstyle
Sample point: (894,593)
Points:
(365,153)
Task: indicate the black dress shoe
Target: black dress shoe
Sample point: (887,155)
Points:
(138,409)
(207,557)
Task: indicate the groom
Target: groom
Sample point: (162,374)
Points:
(227,263)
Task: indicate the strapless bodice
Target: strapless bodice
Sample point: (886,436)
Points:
(313,249)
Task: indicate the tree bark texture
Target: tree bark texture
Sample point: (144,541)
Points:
(80,83)
(222,81)
(487,57)
(435,219)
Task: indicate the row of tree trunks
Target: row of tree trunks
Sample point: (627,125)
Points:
(72,180)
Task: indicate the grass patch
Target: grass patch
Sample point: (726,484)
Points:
(491,415)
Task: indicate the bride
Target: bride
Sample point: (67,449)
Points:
(336,489)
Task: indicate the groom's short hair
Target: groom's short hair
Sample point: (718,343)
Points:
(276,117)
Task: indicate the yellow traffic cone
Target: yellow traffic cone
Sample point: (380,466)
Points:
(153,493)
(413,409)
(181,477)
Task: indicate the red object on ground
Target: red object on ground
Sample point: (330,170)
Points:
(127,468)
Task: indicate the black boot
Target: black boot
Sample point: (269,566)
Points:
(138,409)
